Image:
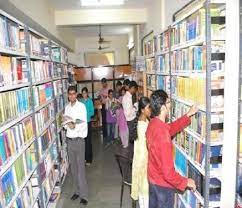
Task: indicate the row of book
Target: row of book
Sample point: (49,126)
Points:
(41,70)
(194,27)
(39,46)
(14,177)
(150,65)
(163,63)
(190,171)
(163,41)
(57,87)
(149,47)
(57,70)
(14,103)
(198,121)
(59,54)
(26,197)
(43,116)
(13,139)
(189,59)
(193,89)
(42,94)
(59,103)
(195,150)
(65,85)
(151,81)
(163,83)
(12,71)
(10,34)
(65,70)
(45,139)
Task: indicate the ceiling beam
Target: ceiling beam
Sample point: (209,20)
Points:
(100,16)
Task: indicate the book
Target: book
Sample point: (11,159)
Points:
(38,46)
(57,85)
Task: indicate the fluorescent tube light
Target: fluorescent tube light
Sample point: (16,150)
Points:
(101,2)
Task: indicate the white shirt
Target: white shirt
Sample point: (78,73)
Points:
(77,111)
(129,109)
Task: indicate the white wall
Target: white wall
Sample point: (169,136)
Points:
(169,7)
(42,12)
(89,44)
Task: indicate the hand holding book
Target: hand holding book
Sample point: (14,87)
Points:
(192,111)
(191,184)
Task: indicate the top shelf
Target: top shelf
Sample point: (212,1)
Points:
(190,8)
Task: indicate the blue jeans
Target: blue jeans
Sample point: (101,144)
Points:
(161,197)
(110,132)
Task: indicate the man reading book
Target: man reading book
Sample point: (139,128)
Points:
(162,176)
(75,122)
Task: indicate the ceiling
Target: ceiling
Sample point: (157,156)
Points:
(76,4)
(107,30)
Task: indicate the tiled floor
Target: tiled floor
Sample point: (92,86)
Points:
(104,181)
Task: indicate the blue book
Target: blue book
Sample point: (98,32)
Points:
(3,156)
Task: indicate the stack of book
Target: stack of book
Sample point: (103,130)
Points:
(39,47)
(57,70)
(150,65)
(57,87)
(163,63)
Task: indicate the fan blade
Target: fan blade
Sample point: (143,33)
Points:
(104,41)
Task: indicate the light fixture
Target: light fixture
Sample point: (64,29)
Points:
(101,2)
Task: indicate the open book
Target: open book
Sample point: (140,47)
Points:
(68,119)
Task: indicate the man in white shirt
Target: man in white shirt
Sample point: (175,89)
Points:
(130,109)
(75,122)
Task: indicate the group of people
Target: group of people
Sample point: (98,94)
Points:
(140,122)
(119,109)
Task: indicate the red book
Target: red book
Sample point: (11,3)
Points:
(19,70)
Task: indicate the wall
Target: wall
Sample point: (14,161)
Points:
(89,44)
(42,12)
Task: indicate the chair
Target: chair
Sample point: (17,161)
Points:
(125,167)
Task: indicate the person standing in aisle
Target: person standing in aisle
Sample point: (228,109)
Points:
(130,110)
(117,91)
(140,186)
(116,95)
(111,119)
(75,122)
(103,94)
(126,84)
(162,177)
(87,101)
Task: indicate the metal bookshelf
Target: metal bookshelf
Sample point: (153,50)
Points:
(202,200)
(35,172)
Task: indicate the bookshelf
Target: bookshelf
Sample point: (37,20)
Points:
(197,54)
(189,64)
(33,87)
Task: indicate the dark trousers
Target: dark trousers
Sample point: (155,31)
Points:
(76,153)
(110,132)
(132,135)
(88,144)
(161,197)
(104,124)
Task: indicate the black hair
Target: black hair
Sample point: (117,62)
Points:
(133,84)
(123,89)
(109,91)
(79,96)
(157,99)
(126,82)
(104,80)
(85,89)
(119,83)
(143,102)
(72,88)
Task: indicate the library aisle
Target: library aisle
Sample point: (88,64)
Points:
(104,180)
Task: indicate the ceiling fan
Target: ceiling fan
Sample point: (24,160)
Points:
(101,39)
